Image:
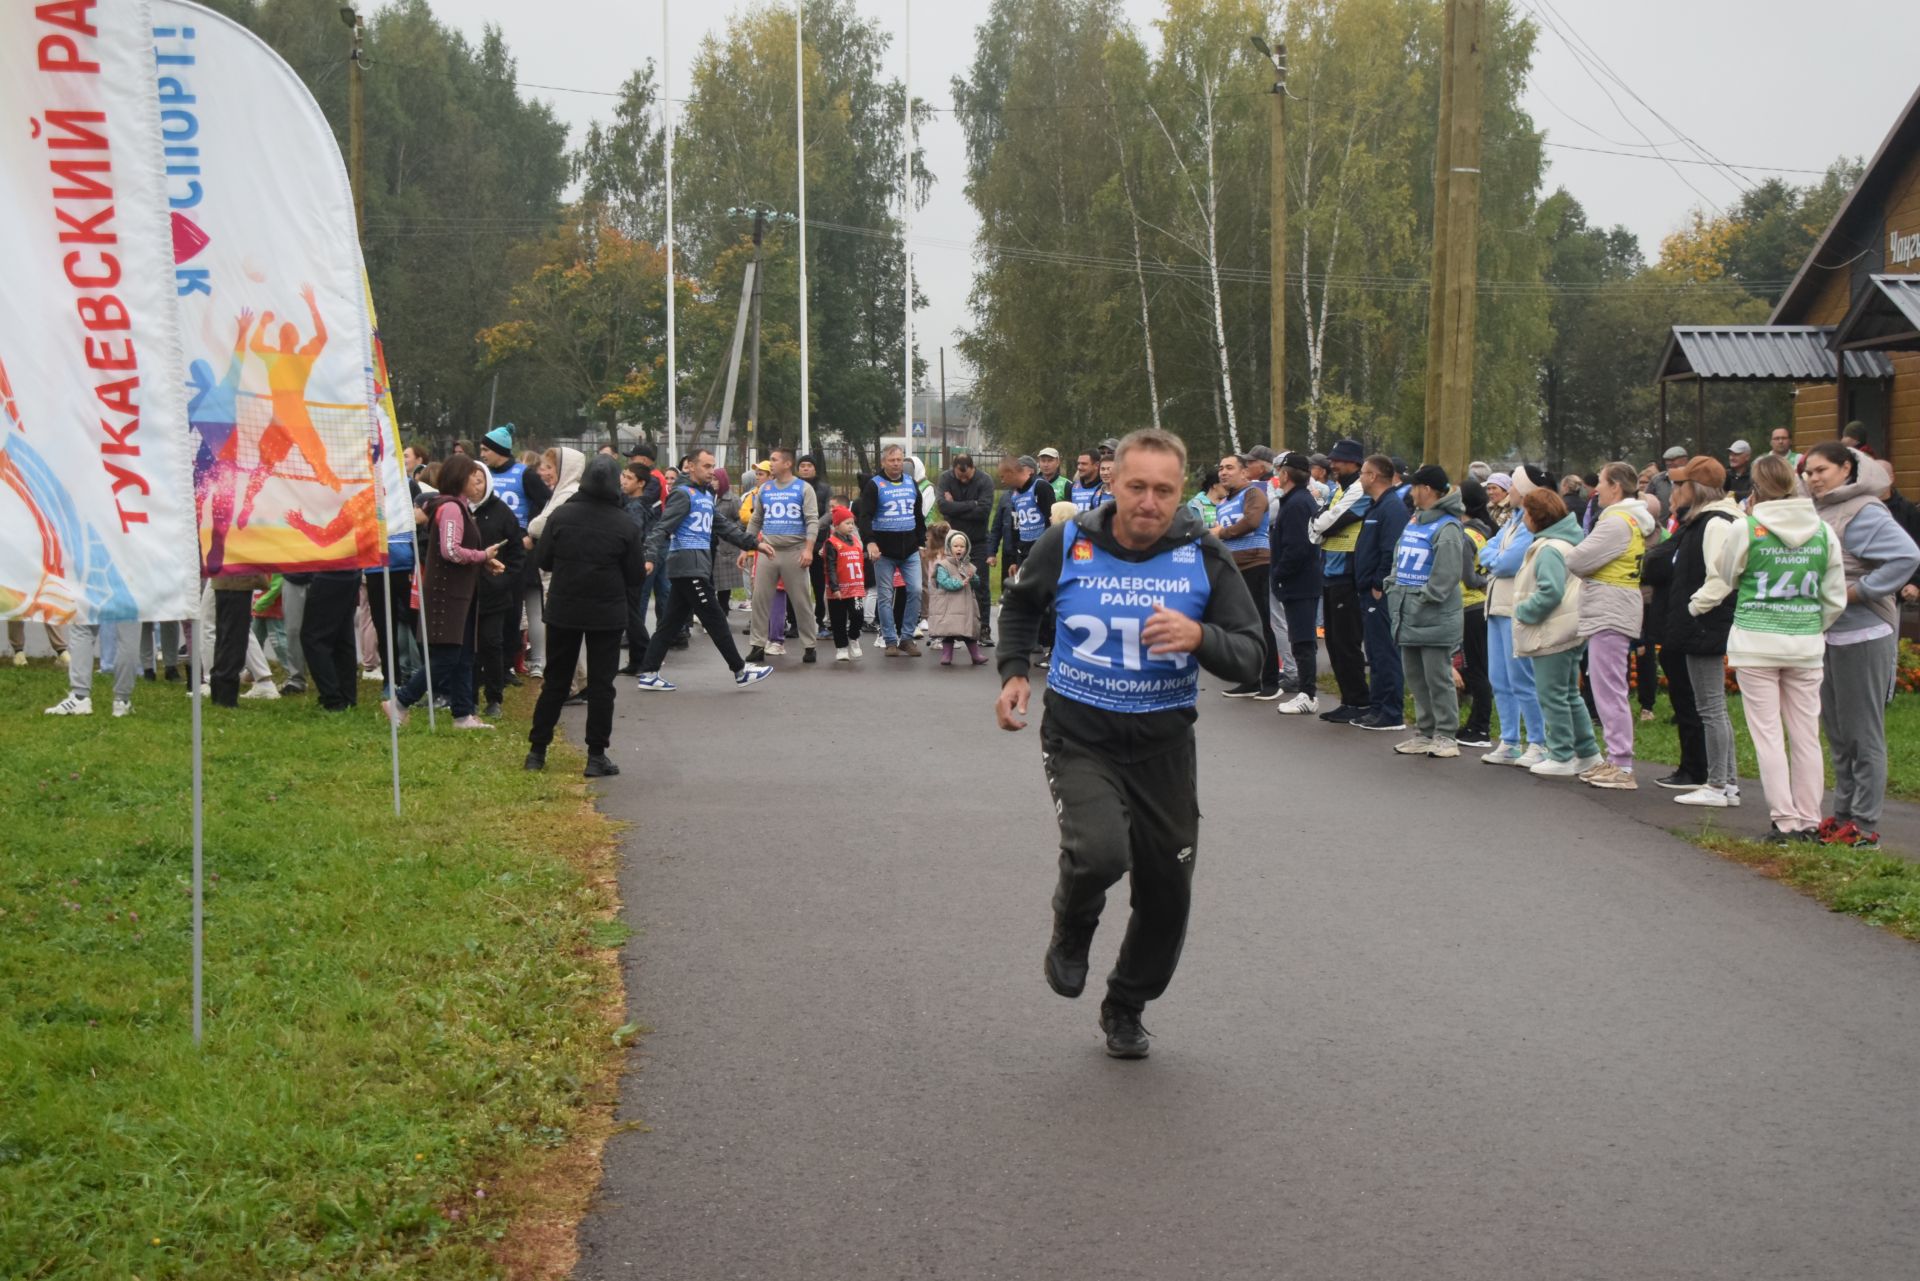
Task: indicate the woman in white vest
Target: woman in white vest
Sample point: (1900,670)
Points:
(1546,629)
(1611,610)
(1784,563)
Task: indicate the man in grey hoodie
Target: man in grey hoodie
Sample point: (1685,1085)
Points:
(1423,604)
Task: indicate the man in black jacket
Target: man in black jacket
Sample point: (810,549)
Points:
(894,528)
(498,598)
(596,556)
(965,501)
(1373,558)
(1297,580)
(1145,599)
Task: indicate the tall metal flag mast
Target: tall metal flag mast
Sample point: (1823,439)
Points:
(666,110)
(906,231)
(800,136)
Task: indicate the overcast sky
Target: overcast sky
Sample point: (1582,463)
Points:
(1780,83)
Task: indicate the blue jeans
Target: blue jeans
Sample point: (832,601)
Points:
(1386,687)
(452,676)
(909,568)
(1513,692)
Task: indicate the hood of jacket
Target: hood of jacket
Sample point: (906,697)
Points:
(1795,521)
(1450,504)
(1641,513)
(1187,527)
(573,464)
(1566,529)
(600,482)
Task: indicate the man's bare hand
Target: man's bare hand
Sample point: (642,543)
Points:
(1011,710)
(1170,632)
(873,551)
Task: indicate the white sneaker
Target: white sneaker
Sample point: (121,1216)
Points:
(841,656)
(1418,745)
(776,649)
(1711,797)
(471,722)
(206,690)
(62,656)
(366,675)
(920,629)
(263,690)
(752,674)
(122,709)
(71,706)
(1733,795)
(1589,763)
(854,649)
(654,681)
(1444,748)
(1504,754)
(1556,769)
(1534,754)
(1300,704)
(536,670)
(19,658)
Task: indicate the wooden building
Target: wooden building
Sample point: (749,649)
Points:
(1846,333)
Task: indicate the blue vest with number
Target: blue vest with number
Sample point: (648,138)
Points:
(899,499)
(1100,609)
(783,511)
(696,531)
(1413,557)
(1235,509)
(1028,522)
(1085,497)
(511,484)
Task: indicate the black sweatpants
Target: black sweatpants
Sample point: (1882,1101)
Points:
(845,616)
(1647,670)
(1140,820)
(232,625)
(689,598)
(1473,648)
(637,637)
(982,589)
(1259,581)
(400,585)
(603,664)
(1303,640)
(1686,715)
(327,640)
(490,651)
(1346,642)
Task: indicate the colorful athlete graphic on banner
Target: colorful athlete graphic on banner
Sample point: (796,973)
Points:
(96,503)
(273,306)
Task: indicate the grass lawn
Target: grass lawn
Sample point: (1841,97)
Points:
(1881,888)
(408,1021)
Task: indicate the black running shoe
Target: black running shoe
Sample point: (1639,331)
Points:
(1679,782)
(1067,957)
(1250,689)
(758,654)
(1126,1039)
(1377,720)
(536,760)
(1343,714)
(598,766)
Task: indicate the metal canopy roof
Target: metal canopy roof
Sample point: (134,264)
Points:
(1762,353)
(1886,317)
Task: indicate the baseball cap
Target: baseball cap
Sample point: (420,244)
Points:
(1260,453)
(1433,476)
(1702,470)
(1739,447)
(1293,458)
(1049,452)
(763,465)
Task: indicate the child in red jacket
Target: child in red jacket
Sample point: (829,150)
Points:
(846,584)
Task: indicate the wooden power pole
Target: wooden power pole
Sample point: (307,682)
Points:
(1277,246)
(356,122)
(1456,231)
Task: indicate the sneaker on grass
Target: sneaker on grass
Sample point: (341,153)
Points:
(71,706)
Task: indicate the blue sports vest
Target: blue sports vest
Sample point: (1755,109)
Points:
(783,511)
(1413,557)
(1086,497)
(1028,522)
(899,499)
(696,531)
(1102,605)
(511,484)
(1234,509)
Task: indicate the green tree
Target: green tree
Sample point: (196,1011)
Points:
(621,166)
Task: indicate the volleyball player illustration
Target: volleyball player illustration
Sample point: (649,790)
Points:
(289,366)
(214,415)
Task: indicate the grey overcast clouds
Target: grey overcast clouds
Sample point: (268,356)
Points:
(1769,83)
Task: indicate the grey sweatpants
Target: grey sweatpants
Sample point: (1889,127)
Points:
(1853,711)
(1436,704)
(1707,673)
(83,646)
(768,572)
(293,608)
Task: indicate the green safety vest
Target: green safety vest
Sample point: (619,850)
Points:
(1780,590)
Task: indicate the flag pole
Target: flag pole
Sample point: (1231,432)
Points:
(197,659)
(666,109)
(393,675)
(906,230)
(800,135)
(426,650)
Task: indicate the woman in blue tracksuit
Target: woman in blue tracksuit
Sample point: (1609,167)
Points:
(1510,675)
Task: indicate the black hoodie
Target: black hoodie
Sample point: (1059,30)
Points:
(594,552)
(1231,644)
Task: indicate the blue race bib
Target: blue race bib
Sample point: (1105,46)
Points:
(1102,605)
(1235,509)
(696,531)
(899,500)
(1085,497)
(783,511)
(1028,523)
(511,485)
(1413,557)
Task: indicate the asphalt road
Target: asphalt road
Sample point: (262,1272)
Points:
(1434,1019)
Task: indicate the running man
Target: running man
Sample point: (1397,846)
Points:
(288,369)
(1144,599)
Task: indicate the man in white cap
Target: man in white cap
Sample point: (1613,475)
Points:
(1739,475)
(1049,460)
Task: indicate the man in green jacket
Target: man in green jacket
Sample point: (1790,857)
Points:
(1423,605)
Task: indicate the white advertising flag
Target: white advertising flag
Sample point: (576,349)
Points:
(96,497)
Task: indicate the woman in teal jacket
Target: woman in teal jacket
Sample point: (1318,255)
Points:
(1546,618)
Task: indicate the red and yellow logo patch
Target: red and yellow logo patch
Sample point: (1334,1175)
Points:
(1082,549)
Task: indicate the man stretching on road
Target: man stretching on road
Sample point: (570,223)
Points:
(681,542)
(1144,600)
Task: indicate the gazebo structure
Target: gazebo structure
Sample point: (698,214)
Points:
(1797,354)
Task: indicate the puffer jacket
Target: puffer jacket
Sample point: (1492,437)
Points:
(1546,607)
(593,551)
(1431,615)
(1880,558)
(1501,559)
(1603,606)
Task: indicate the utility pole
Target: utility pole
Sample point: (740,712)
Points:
(906,228)
(753,370)
(945,447)
(356,121)
(800,152)
(666,120)
(1454,298)
(1277,246)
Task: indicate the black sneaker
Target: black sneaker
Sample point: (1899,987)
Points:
(1343,714)
(758,654)
(576,699)
(1249,690)
(1474,738)
(682,643)
(1126,1039)
(536,760)
(490,711)
(1268,693)
(1378,720)
(1066,964)
(514,681)
(809,656)
(986,640)
(598,766)
(1678,782)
